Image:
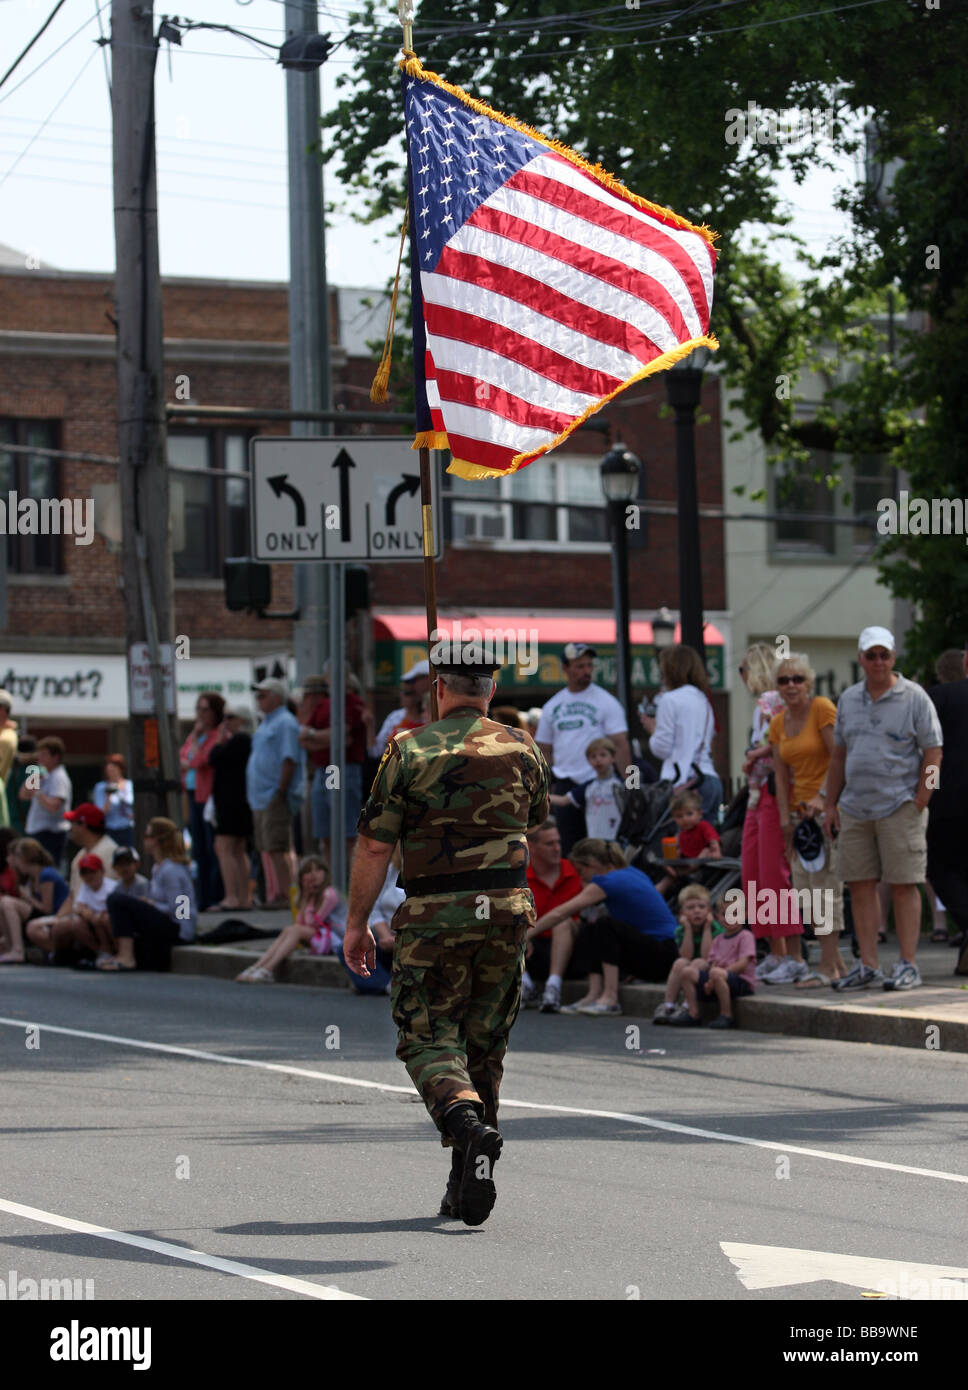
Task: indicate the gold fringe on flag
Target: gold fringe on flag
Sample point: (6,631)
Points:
(472,471)
(378,391)
(414,68)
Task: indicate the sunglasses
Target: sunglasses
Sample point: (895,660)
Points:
(791,680)
(878,656)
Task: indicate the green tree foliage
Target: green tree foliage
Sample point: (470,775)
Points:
(654,93)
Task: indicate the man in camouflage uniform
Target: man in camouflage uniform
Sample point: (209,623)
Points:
(459,794)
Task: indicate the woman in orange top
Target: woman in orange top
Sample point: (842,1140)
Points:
(802,737)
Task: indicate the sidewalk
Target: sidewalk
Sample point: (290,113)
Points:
(899,1020)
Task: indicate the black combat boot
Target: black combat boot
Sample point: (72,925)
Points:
(481,1148)
(450,1203)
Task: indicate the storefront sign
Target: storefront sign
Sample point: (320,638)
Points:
(393,658)
(96,688)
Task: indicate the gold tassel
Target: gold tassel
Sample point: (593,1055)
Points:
(431,439)
(378,391)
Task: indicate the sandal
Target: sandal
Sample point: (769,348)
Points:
(259,975)
(940,936)
(812,981)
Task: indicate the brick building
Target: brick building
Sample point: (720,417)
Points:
(507,557)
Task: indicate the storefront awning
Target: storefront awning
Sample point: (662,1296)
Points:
(549,632)
(400,640)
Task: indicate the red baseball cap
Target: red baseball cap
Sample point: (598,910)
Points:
(87,814)
(91,862)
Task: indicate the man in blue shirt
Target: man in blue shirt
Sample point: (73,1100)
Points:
(273,782)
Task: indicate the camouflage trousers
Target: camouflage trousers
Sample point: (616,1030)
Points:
(454,996)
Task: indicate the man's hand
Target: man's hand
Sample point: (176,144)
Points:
(831,820)
(359,949)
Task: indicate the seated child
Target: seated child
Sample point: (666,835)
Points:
(125,862)
(317,923)
(727,972)
(697,926)
(86,926)
(601,799)
(695,838)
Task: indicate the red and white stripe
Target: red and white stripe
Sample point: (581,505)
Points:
(553,293)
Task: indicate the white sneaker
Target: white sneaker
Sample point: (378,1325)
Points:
(551,999)
(767,965)
(787,972)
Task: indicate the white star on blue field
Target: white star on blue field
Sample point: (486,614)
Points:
(457,160)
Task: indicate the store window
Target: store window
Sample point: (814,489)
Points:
(210,490)
(796,490)
(527,509)
(31,475)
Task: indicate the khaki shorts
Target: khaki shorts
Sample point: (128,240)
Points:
(892,850)
(273,827)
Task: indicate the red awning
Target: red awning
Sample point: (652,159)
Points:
(551,631)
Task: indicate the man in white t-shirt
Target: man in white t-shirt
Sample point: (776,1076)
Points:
(582,711)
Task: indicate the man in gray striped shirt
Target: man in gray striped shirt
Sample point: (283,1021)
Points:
(887,752)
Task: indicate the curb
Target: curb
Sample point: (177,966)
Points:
(887,1026)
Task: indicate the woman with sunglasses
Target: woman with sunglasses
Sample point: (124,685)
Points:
(802,738)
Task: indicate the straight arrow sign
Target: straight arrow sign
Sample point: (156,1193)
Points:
(775,1267)
(344,463)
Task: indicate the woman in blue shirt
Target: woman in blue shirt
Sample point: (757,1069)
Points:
(115,797)
(636,934)
(169,912)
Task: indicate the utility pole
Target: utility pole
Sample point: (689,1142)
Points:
(146,561)
(319,588)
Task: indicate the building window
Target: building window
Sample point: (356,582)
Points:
(210,495)
(30,475)
(515,512)
(796,490)
(873,480)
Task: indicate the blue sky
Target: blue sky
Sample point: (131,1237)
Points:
(221,149)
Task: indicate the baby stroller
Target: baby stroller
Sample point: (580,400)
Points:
(645,821)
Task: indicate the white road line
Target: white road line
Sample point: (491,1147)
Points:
(179,1252)
(644,1120)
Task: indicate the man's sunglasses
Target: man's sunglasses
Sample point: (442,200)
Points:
(877,656)
(790,680)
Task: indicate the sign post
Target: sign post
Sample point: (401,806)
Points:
(329,501)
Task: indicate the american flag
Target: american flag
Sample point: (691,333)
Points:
(544,287)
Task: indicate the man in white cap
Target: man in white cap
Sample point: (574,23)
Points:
(579,712)
(884,767)
(413,687)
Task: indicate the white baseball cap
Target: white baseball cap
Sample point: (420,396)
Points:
(422,668)
(875,637)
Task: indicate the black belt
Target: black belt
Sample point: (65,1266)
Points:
(472,882)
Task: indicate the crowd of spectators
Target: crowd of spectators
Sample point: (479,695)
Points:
(837,796)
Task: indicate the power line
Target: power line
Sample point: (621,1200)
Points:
(60,101)
(54,52)
(22,55)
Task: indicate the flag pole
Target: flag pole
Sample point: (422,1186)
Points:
(430,577)
(405,13)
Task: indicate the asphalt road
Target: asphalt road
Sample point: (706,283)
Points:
(336,1185)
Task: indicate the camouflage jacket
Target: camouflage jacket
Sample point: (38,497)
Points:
(459,795)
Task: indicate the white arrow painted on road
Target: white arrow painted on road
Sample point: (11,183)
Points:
(775,1266)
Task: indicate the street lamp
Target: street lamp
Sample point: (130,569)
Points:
(684,384)
(663,630)
(620,471)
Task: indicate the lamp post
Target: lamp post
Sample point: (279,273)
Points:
(620,471)
(684,384)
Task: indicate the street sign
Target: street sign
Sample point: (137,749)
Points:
(332,499)
(141,695)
